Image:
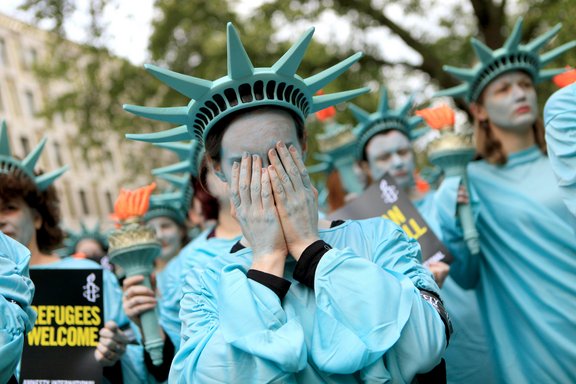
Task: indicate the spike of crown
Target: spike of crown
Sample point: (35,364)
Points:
(174,204)
(11,165)
(74,238)
(335,136)
(383,120)
(512,56)
(243,87)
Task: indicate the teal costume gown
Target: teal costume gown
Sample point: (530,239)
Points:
(112,307)
(468,356)
(195,254)
(560,120)
(364,321)
(16,293)
(524,276)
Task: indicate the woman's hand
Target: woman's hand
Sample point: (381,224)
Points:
(463,197)
(137,298)
(111,345)
(296,198)
(440,271)
(253,202)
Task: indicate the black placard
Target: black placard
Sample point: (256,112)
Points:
(385,199)
(60,347)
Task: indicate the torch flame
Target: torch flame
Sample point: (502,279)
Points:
(566,78)
(132,204)
(326,113)
(442,117)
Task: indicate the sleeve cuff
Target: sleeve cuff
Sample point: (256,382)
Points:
(306,266)
(277,284)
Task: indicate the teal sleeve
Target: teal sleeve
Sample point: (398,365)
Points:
(16,293)
(113,299)
(465,269)
(367,309)
(560,118)
(235,330)
(170,293)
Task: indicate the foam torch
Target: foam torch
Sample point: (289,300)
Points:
(452,152)
(133,247)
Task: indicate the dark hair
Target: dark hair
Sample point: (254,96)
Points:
(16,185)
(336,191)
(209,205)
(213,142)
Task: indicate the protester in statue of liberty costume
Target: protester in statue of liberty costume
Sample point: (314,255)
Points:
(523,274)
(30,214)
(91,244)
(348,302)
(16,293)
(560,120)
(384,145)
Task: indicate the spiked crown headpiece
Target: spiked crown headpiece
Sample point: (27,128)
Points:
(383,120)
(74,238)
(243,87)
(512,56)
(190,156)
(173,204)
(9,164)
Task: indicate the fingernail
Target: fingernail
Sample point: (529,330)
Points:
(235,165)
(254,157)
(280,143)
(292,148)
(245,155)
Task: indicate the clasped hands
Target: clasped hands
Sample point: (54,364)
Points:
(276,206)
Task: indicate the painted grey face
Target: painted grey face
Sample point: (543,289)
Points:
(391,152)
(256,133)
(17,220)
(169,235)
(511,102)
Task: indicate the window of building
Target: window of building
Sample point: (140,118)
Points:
(25,145)
(14,97)
(58,153)
(109,201)
(30,57)
(84,202)
(30,104)
(3,53)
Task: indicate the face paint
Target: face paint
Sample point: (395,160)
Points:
(17,220)
(256,133)
(511,102)
(169,234)
(391,152)
(91,248)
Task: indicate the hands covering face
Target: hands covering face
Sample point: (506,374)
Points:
(276,206)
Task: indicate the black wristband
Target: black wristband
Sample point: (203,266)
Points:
(306,266)
(437,303)
(160,372)
(277,284)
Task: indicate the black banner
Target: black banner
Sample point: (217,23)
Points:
(387,200)
(60,347)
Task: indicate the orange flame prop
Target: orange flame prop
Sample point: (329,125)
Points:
(326,113)
(438,118)
(566,78)
(422,185)
(133,204)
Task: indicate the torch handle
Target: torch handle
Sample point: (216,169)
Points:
(467,220)
(151,334)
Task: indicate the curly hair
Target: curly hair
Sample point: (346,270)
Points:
(16,185)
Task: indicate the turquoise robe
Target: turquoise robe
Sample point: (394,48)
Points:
(365,320)
(468,356)
(560,120)
(524,276)
(16,292)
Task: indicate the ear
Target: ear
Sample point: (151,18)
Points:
(479,111)
(365,167)
(304,145)
(37,220)
(216,168)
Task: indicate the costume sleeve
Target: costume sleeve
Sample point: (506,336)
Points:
(234,329)
(560,118)
(465,269)
(16,293)
(367,309)
(113,299)
(170,292)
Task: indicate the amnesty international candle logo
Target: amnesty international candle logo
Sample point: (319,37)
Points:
(385,199)
(60,347)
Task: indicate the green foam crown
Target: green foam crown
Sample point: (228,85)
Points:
(383,120)
(243,87)
(10,164)
(512,56)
